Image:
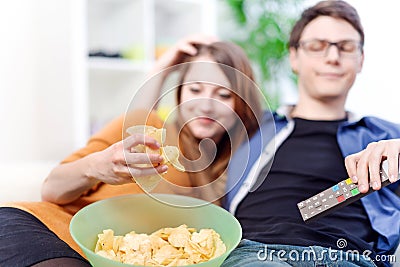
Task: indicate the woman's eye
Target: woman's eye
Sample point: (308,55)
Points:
(194,89)
(225,96)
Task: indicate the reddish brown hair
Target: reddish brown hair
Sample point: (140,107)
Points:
(247,104)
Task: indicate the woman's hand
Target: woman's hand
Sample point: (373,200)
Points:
(114,165)
(120,162)
(149,95)
(175,54)
(364,167)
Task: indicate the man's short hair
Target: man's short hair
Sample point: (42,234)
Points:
(333,8)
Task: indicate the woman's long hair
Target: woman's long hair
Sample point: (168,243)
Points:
(247,105)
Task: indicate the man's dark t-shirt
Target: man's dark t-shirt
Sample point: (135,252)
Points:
(308,162)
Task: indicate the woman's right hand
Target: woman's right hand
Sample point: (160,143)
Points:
(114,165)
(120,162)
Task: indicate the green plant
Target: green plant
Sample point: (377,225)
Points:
(262,30)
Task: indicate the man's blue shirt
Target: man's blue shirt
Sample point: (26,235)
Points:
(382,207)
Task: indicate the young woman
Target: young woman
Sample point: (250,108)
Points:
(218,106)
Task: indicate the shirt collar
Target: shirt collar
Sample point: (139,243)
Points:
(286,110)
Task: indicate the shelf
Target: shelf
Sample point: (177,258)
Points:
(118,64)
(139,31)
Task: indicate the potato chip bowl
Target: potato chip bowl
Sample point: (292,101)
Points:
(143,213)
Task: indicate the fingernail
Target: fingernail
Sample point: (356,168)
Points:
(362,187)
(393,178)
(375,185)
(354,179)
(164,169)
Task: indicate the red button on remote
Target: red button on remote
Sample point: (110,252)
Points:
(340,198)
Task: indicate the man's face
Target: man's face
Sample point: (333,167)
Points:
(329,74)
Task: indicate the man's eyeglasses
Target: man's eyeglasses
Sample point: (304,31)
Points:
(320,48)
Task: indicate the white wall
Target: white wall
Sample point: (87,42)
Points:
(43,103)
(42,73)
(16,80)
(377,88)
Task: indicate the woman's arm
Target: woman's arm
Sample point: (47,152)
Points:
(68,181)
(114,165)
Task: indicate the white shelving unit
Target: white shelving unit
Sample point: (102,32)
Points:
(138,31)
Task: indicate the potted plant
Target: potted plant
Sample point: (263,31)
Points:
(262,28)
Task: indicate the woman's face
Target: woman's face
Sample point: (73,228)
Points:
(207,107)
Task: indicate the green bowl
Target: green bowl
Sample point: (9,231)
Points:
(145,214)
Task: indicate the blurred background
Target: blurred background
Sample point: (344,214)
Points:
(69,66)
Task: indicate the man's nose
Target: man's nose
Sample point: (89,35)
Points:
(332,53)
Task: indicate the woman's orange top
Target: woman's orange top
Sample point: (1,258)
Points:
(58,217)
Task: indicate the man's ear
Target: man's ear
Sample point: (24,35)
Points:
(293,59)
(360,63)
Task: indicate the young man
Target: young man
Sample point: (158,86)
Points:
(308,156)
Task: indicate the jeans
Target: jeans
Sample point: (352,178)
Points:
(254,254)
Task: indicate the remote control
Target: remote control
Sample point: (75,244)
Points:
(337,196)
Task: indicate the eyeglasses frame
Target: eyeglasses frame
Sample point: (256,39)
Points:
(300,44)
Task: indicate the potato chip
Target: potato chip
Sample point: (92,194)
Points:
(179,236)
(177,246)
(106,240)
(169,153)
(158,134)
(171,156)
(166,254)
(148,183)
(110,254)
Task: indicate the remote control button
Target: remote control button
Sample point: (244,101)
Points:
(355,191)
(301,205)
(349,181)
(335,188)
(340,198)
